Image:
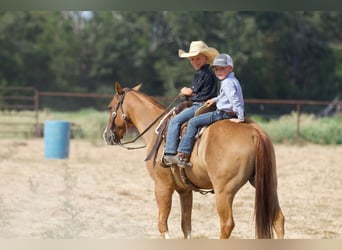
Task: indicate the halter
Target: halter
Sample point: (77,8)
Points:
(126,119)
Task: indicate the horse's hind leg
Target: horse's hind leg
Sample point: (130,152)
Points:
(186,206)
(224,208)
(278,224)
(164,202)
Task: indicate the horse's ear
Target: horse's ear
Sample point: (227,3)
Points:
(136,88)
(118,88)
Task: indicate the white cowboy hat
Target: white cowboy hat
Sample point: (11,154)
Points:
(199,47)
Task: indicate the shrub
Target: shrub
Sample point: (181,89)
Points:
(312,129)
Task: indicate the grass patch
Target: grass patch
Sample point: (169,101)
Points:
(323,131)
(326,130)
(86,123)
(90,124)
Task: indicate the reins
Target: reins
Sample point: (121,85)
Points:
(184,179)
(122,144)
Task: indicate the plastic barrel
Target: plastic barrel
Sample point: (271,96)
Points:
(56,139)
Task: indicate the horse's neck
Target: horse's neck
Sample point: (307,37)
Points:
(143,115)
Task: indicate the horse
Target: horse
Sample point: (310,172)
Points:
(225,157)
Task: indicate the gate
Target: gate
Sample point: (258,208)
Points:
(19,112)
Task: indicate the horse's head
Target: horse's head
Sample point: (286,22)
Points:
(119,120)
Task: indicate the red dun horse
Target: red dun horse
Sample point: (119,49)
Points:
(226,156)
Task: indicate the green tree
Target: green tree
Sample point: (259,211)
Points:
(299,61)
(125,47)
(38,49)
(277,54)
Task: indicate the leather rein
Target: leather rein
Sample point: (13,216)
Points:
(183,176)
(125,118)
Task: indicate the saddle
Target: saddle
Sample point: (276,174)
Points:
(161,129)
(201,110)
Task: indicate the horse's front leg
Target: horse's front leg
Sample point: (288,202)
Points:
(164,202)
(186,207)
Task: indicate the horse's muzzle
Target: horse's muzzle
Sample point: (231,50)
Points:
(114,139)
(110,138)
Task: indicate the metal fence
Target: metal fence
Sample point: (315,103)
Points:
(19,107)
(18,111)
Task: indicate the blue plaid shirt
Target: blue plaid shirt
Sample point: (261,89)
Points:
(230,98)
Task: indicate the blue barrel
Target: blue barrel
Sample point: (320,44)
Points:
(56,139)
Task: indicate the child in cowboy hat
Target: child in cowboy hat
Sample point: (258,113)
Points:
(203,87)
(230,105)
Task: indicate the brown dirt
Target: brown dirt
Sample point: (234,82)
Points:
(105,192)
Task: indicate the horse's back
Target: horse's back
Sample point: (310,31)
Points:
(225,151)
(229,138)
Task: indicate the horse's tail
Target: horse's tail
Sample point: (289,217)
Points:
(266,197)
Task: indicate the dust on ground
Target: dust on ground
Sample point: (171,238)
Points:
(105,192)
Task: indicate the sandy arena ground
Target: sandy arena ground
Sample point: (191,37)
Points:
(105,192)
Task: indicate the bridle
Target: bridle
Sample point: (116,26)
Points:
(184,178)
(126,120)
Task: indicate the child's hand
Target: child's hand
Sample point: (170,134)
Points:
(235,120)
(186,91)
(209,102)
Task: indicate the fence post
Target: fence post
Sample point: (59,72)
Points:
(298,121)
(38,132)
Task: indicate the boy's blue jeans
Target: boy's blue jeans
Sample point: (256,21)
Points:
(187,142)
(173,131)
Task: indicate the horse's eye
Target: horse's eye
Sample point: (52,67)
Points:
(114,114)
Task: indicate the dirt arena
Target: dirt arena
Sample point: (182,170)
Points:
(105,192)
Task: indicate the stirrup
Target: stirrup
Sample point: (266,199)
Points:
(184,164)
(164,164)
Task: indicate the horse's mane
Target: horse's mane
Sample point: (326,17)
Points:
(149,98)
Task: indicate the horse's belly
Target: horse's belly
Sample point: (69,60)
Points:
(199,177)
